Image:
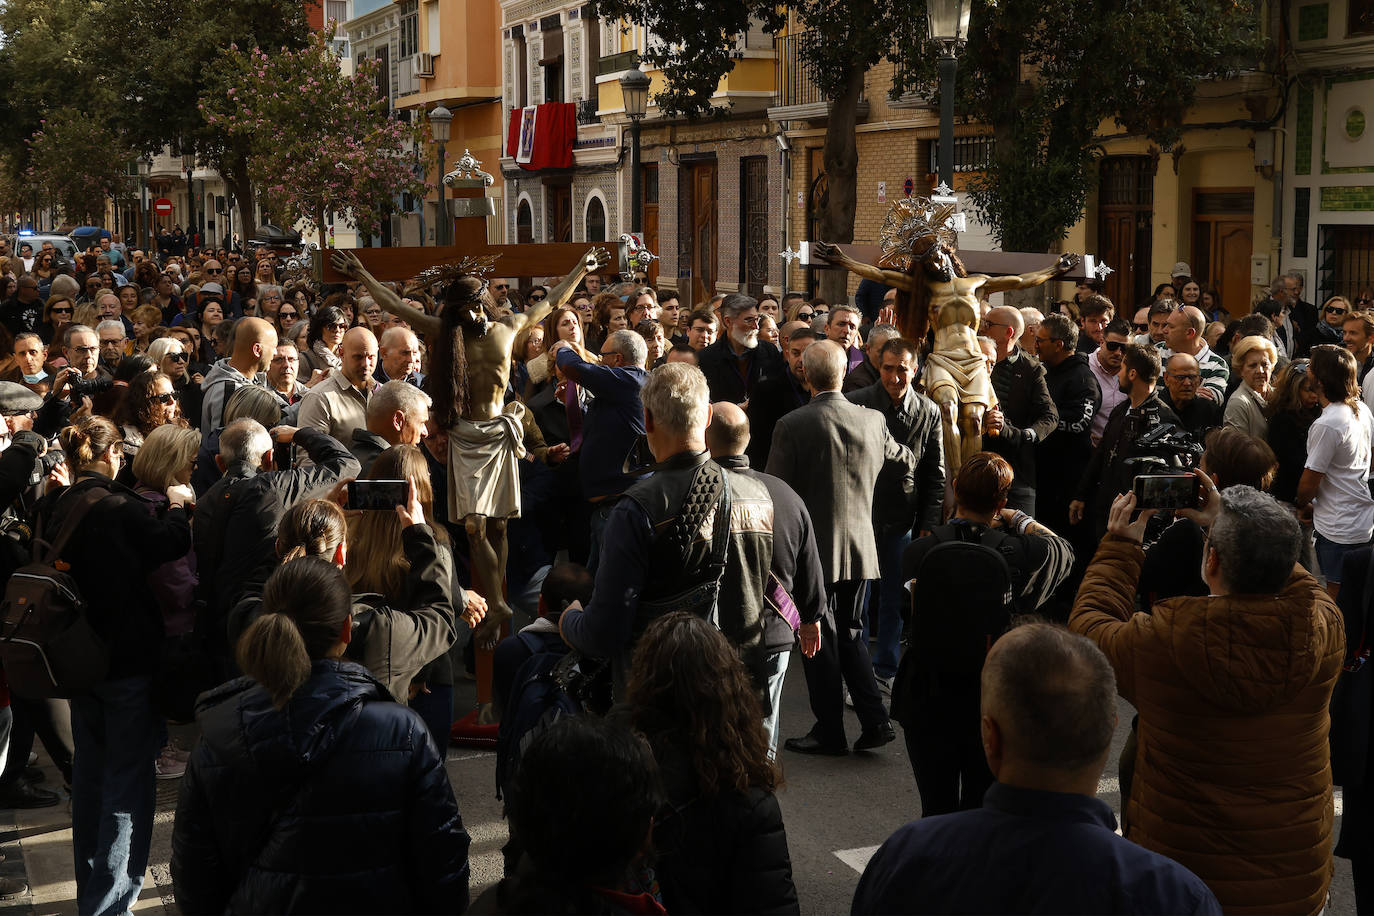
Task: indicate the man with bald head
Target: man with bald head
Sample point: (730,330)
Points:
(255,342)
(338,405)
(1182,379)
(1025,414)
(1042,842)
(1184,335)
(796,564)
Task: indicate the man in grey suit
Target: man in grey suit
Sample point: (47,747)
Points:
(903,505)
(831,452)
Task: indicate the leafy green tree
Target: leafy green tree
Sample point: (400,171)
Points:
(77,163)
(1045,76)
(845,39)
(316,141)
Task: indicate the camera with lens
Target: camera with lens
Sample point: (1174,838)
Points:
(1164,449)
(45,464)
(84,387)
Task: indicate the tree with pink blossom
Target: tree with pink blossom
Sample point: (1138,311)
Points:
(318,141)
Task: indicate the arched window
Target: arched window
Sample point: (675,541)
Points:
(596,220)
(524,223)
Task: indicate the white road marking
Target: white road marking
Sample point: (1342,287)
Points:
(856,858)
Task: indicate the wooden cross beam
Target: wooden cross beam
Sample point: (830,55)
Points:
(469,240)
(992,263)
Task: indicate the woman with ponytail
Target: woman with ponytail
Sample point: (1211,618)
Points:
(322,768)
(114,728)
(402,631)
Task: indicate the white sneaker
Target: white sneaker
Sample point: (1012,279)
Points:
(167,766)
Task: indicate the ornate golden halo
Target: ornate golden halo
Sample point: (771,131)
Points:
(911,228)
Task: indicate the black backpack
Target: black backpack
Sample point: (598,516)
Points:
(963,599)
(47,644)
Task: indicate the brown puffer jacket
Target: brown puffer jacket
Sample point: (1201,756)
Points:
(1233,773)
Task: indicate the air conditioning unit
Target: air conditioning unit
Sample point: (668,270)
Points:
(425,65)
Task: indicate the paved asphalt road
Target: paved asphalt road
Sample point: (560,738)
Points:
(836,811)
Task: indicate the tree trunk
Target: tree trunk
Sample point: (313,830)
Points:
(841,178)
(243,197)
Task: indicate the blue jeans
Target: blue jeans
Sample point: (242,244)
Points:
(113,793)
(778,671)
(1331,557)
(891,596)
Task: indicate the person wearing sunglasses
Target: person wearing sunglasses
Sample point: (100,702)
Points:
(215,279)
(1330,324)
(150,402)
(170,356)
(327,327)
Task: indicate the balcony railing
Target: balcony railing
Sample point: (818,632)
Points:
(795,85)
(586,112)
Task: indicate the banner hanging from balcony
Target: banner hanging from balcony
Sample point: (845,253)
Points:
(541,136)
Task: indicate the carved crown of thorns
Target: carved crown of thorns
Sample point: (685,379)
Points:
(912,227)
(443,274)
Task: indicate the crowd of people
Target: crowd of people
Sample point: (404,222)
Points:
(704,489)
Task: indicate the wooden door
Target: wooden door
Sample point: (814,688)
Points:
(1223,241)
(1125,211)
(1116,242)
(560,213)
(703,228)
(649,216)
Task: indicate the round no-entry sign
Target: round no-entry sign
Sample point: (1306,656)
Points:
(162,207)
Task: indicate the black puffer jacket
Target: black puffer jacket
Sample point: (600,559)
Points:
(337,804)
(726,854)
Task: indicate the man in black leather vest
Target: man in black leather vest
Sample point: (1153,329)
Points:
(660,552)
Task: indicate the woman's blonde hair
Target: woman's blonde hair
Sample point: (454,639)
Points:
(376,562)
(166,450)
(1241,349)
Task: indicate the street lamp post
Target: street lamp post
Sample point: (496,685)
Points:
(440,118)
(188,162)
(948,23)
(145,167)
(634,89)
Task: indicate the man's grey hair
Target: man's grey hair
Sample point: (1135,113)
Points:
(244,440)
(72,330)
(678,399)
(105,295)
(629,345)
(736,304)
(1032,316)
(1053,693)
(1297,275)
(110,324)
(1279,287)
(824,364)
(397,395)
(1061,327)
(392,336)
(881,334)
(253,402)
(1256,540)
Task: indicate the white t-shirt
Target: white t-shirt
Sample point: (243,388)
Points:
(1338,446)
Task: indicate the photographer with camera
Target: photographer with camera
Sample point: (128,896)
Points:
(1111,472)
(83,378)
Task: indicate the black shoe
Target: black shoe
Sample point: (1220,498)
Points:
(876,737)
(11,888)
(810,744)
(33,774)
(23,795)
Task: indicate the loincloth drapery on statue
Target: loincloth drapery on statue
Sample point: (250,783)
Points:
(958,368)
(483,468)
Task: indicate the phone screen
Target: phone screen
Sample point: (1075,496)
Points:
(377,494)
(1166,491)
